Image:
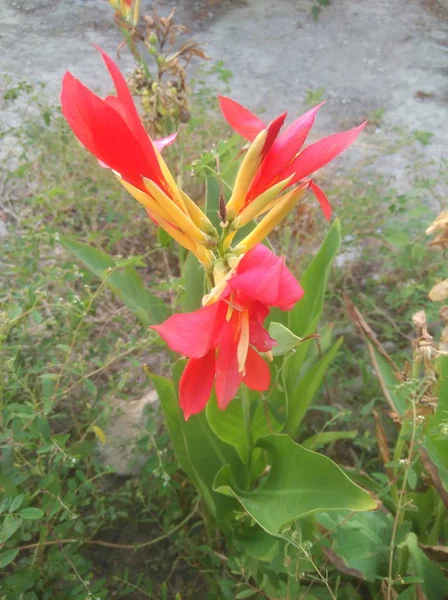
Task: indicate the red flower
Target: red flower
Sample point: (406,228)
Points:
(111,129)
(223,339)
(281,157)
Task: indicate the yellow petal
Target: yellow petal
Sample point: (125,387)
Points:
(243,344)
(258,205)
(246,172)
(180,237)
(170,181)
(271,220)
(145,199)
(177,216)
(199,217)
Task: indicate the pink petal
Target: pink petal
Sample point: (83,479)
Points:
(283,150)
(161,143)
(240,119)
(320,153)
(193,334)
(258,374)
(322,199)
(196,384)
(228,378)
(258,336)
(263,276)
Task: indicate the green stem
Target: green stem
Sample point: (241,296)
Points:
(248,434)
(403,436)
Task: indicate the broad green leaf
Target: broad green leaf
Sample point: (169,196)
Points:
(408,594)
(124,281)
(323,438)
(300,482)
(434,583)
(31,513)
(200,453)
(304,318)
(193,283)
(9,526)
(259,544)
(436,439)
(387,380)
(286,340)
(15,504)
(301,394)
(7,557)
(361,540)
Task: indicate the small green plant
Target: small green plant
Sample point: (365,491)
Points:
(317,8)
(424,137)
(376,116)
(313,97)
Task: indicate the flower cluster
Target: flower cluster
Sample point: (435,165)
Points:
(225,340)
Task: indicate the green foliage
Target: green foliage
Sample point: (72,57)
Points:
(286,340)
(69,349)
(300,482)
(200,453)
(123,280)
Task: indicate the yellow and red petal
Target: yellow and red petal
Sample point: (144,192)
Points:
(228,376)
(282,152)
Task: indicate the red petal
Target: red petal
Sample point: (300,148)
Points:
(283,150)
(322,199)
(128,111)
(320,153)
(263,276)
(228,378)
(102,130)
(273,129)
(193,334)
(258,335)
(258,374)
(196,384)
(240,119)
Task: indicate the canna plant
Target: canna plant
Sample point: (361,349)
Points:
(235,408)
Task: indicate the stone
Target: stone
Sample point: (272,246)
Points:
(126,424)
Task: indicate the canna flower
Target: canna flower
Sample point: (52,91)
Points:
(111,130)
(225,339)
(274,162)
